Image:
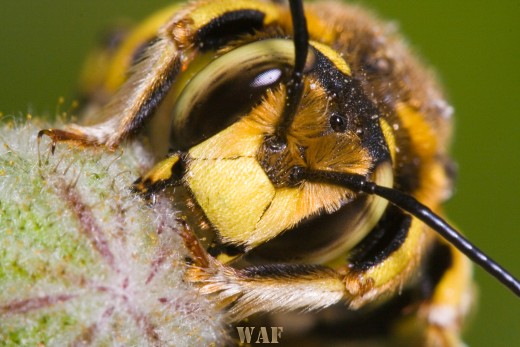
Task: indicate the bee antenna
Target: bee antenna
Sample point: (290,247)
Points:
(409,204)
(294,88)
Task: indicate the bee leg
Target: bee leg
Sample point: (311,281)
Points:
(136,100)
(177,45)
(71,136)
(131,106)
(268,288)
(380,269)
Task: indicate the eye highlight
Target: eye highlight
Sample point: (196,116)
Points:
(267,78)
(227,89)
(338,123)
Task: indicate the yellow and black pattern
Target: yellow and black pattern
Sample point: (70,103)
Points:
(220,70)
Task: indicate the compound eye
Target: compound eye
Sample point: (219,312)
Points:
(338,123)
(227,89)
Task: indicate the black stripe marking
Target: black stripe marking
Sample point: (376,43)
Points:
(408,166)
(386,237)
(228,26)
(228,249)
(284,271)
(140,52)
(439,260)
(155,98)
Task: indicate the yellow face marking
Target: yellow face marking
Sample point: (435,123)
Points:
(282,214)
(233,193)
(237,140)
(236,195)
(333,56)
(292,205)
(228,183)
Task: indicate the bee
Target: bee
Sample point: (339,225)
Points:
(308,149)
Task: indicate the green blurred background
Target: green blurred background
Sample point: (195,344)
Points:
(474,46)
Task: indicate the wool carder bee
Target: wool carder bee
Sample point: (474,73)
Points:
(309,152)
